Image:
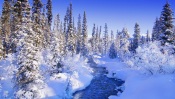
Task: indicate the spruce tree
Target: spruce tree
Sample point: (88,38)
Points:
(157,30)
(1,46)
(118,40)
(61,38)
(124,43)
(17,21)
(56,23)
(70,33)
(96,41)
(100,42)
(106,39)
(112,51)
(136,39)
(79,35)
(49,12)
(84,49)
(148,38)
(28,81)
(37,19)
(45,29)
(5,21)
(36,11)
(142,40)
(167,35)
(93,39)
(112,36)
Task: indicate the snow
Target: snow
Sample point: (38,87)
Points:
(7,70)
(139,85)
(76,72)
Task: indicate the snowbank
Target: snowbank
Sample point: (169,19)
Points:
(76,75)
(138,85)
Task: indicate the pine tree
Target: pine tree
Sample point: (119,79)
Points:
(136,39)
(17,22)
(1,46)
(167,35)
(100,42)
(123,50)
(93,39)
(155,32)
(84,49)
(5,21)
(1,50)
(55,51)
(96,41)
(112,36)
(106,39)
(45,29)
(148,38)
(142,40)
(36,11)
(37,26)
(56,23)
(49,12)
(118,40)
(112,51)
(79,35)
(61,38)
(70,33)
(27,79)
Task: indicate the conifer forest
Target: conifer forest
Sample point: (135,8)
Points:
(47,55)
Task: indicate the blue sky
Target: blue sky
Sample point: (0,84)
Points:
(117,13)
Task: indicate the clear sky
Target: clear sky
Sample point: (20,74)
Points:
(116,13)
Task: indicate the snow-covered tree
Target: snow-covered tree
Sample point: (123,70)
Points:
(5,20)
(71,35)
(117,40)
(84,49)
(45,29)
(157,29)
(112,51)
(37,26)
(148,38)
(123,50)
(167,35)
(93,39)
(36,11)
(112,36)
(61,37)
(136,40)
(28,81)
(106,39)
(17,21)
(143,40)
(1,46)
(150,59)
(55,51)
(100,42)
(79,35)
(49,12)
(96,41)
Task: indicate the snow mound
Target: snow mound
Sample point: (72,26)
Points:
(76,75)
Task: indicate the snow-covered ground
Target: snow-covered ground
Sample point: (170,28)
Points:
(76,75)
(139,85)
